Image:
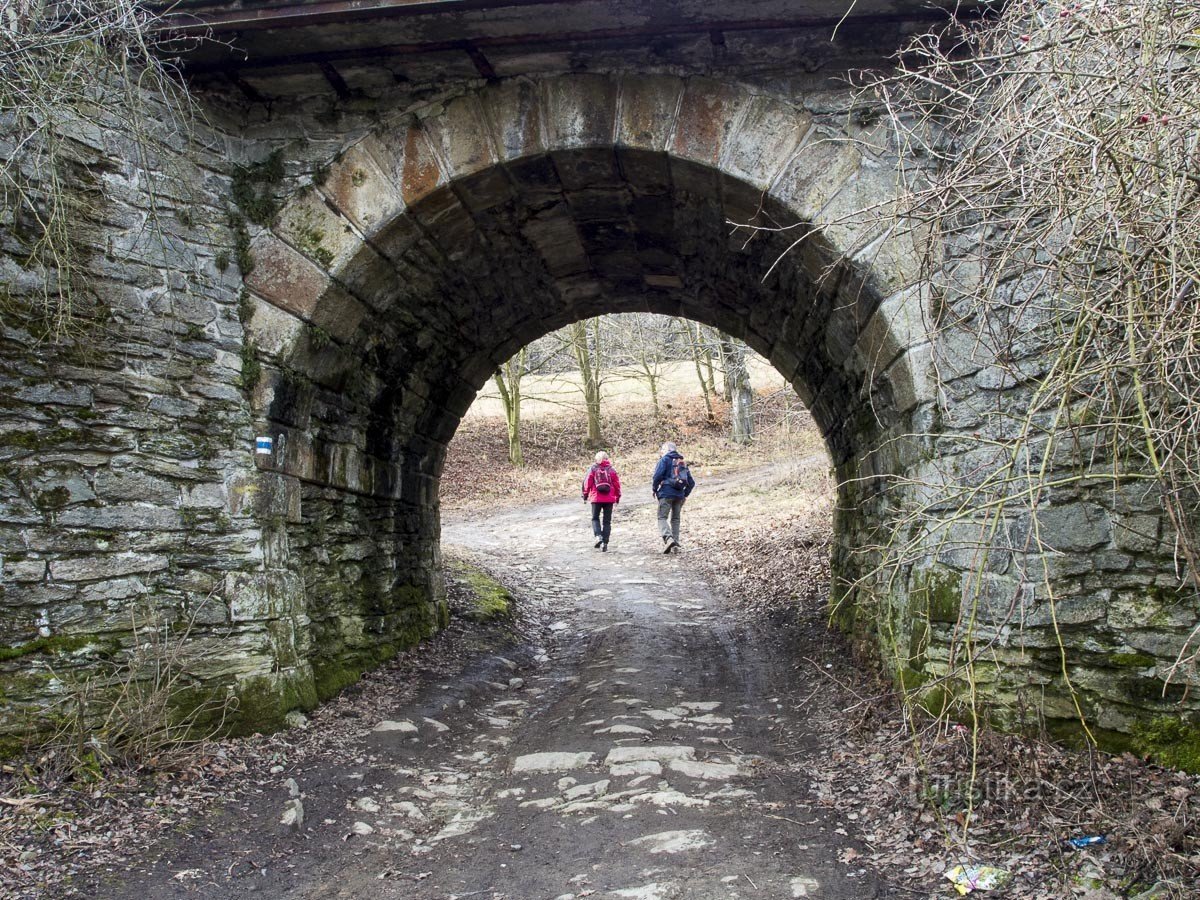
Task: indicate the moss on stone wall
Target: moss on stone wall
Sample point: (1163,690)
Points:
(263,701)
(253,188)
(1170,741)
(943,590)
(1132,660)
(64,643)
(489,599)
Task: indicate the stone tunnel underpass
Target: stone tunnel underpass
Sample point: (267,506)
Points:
(406,214)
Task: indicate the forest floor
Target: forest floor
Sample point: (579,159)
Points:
(635,726)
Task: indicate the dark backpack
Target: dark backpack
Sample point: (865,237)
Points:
(601,481)
(679,473)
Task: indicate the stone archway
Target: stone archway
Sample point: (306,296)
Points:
(388,293)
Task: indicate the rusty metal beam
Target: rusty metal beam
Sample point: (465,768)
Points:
(335,12)
(335,79)
(331,12)
(619,35)
(482,65)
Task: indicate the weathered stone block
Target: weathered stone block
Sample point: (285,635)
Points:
(284,277)
(647,110)
(135,485)
(514,110)
(461,137)
(121,518)
(413,163)
(323,235)
(765,141)
(24,569)
(98,568)
(1077,527)
(708,115)
(816,173)
(357,185)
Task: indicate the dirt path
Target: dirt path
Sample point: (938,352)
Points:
(653,747)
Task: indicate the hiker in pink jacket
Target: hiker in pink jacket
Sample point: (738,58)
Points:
(602,488)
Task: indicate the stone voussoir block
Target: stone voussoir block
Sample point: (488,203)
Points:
(284,277)
(461,138)
(647,110)
(358,186)
(708,115)
(765,141)
(310,225)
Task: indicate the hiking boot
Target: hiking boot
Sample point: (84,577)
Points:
(668,544)
(604,547)
(599,542)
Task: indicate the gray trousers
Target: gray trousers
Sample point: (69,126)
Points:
(669,509)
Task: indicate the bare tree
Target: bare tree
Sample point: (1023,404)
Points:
(709,340)
(508,383)
(691,331)
(737,382)
(586,345)
(71,70)
(643,343)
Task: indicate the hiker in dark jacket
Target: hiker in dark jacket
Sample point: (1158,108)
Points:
(672,484)
(602,487)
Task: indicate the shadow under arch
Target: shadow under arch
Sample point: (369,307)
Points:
(384,298)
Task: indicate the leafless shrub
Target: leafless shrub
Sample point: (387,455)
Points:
(1059,217)
(141,711)
(71,73)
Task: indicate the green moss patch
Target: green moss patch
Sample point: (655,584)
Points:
(1132,660)
(943,589)
(264,701)
(1170,741)
(253,188)
(487,599)
(66,643)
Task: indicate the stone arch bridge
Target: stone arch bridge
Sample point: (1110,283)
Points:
(386,200)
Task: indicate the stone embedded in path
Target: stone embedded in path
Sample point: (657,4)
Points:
(641,767)
(579,791)
(552,762)
(619,755)
(293,815)
(704,771)
(669,798)
(623,729)
(711,720)
(436,725)
(403,727)
(803,886)
(652,891)
(673,841)
(661,715)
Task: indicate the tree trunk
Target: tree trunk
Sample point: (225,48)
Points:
(737,377)
(588,359)
(652,381)
(508,382)
(724,343)
(694,343)
(708,361)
